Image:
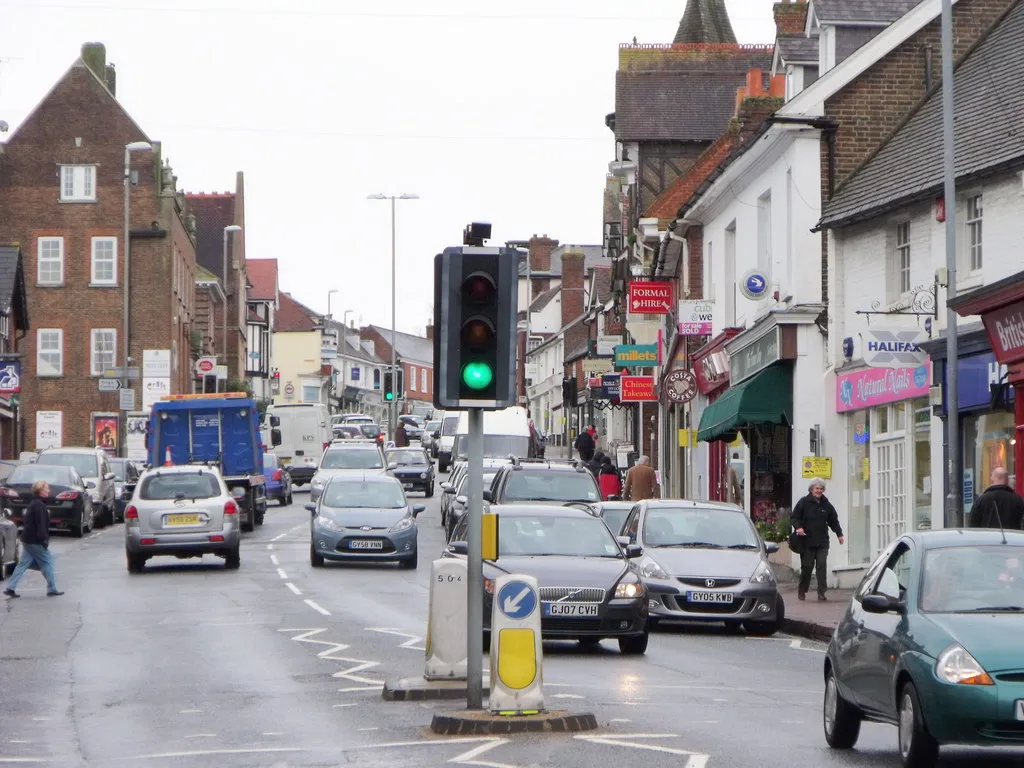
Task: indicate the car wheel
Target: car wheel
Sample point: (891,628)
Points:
(233,560)
(635,645)
(412,562)
(3,558)
(79,530)
(918,748)
(315,559)
(429,492)
(136,562)
(840,718)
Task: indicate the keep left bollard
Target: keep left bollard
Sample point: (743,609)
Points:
(517,674)
(446,621)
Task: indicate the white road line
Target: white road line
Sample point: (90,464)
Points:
(190,712)
(470,757)
(566,696)
(41,719)
(273,733)
(200,735)
(317,608)
(413,643)
(368,729)
(211,752)
(293,588)
(281,573)
(20,741)
(620,720)
(331,654)
(280,536)
(273,559)
(270,546)
(341,706)
(17,760)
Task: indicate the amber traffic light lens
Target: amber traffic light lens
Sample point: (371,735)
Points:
(477,333)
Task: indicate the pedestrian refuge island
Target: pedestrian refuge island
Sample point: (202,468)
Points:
(517,673)
(446,652)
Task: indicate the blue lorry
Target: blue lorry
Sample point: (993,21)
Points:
(221,430)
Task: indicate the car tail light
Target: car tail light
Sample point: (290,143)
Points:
(216,538)
(278,475)
(147,542)
(67,496)
(131,514)
(230,508)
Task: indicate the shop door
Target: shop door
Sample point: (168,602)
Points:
(890,461)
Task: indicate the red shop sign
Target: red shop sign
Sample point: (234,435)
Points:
(650,298)
(637,388)
(1005,328)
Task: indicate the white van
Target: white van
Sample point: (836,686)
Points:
(506,433)
(449,426)
(305,435)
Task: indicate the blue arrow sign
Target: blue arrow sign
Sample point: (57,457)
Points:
(517,599)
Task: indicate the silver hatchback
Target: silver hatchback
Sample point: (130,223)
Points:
(184,511)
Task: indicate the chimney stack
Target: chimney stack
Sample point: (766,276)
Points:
(790,17)
(755,88)
(95,57)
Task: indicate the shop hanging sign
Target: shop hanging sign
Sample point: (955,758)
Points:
(606,345)
(10,377)
(595,367)
(610,386)
(890,348)
(817,466)
(636,355)
(637,389)
(977,375)
(680,386)
(1005,328)
(878,386)
(755,357)
(647,297)
(754,285)
(695,318)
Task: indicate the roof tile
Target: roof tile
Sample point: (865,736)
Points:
(293,317)
(870,11)
(263,276)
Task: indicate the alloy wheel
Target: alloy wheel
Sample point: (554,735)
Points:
(906,724)
(831,704)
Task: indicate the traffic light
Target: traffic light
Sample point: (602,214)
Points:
(476,292)
(569,394)
(388,390)
(400,384)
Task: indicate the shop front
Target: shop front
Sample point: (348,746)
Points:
(888,463)
(710,369)
(996,440)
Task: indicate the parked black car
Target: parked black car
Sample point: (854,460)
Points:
(126,472)
(413,467)
(69,502)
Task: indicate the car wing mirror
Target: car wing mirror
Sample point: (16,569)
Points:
(634,551)
(462,500)
(417,508)
(487,495)
(311,508)
(771,546)
(623,541)
(91,484)
(878,603)
(110,476)
(459,547)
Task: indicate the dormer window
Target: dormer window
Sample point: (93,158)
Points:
(78,183)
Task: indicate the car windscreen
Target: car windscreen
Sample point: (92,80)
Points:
(29,473)
(450,425)
(497,446)
(614,517)
(551,535)
(973,579)
(432,426)
(352,459)
(369,430)
(117,467)
(86,464)
(414,458)
(550,486)
(269,461)
(699,528)
(364,495)
(201,485)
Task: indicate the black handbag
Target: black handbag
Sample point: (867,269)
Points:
(796,543)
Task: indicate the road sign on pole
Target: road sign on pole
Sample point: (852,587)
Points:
(109,385)
(118,373)
(127,399)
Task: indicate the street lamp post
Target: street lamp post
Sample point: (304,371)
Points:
(392,416)
(227,233)
(134,146)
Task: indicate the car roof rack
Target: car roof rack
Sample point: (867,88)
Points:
(518,461)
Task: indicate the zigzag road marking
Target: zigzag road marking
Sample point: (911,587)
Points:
(331,654)
(794,642)
(693,759)
(411,643)
(469,757)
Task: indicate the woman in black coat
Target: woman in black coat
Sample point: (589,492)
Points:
(812,516)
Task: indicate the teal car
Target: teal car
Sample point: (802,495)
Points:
(933,643)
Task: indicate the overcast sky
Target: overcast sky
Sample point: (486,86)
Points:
(490,112)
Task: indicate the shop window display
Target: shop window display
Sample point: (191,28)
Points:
(989,439)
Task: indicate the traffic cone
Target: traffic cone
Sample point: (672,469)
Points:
(168,461)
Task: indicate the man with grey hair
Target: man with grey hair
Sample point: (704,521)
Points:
(641,481)
(812,516)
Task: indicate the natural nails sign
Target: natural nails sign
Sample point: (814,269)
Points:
(878,386)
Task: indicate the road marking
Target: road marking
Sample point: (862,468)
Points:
(273,559)
(566,696)
(794,642)
(14,760)
(200,735)
(273,733)
(270,546)
(293,588)
(331,654)
(368,729)
(41,719)
(281,573)
(210,752)
(694,759)
(282,535)
(620,720)
(412,643)
(484,744)
(339,706)
(317,608)
(190,712)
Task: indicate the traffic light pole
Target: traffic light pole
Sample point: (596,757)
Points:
(392,418)
(475,563)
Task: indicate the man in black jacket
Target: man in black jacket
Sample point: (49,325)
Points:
(812,516)
(999,506)
(35,538)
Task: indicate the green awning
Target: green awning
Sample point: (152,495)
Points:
(765,398)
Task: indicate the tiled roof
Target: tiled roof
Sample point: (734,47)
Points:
(205,275)
(12,283)
(851,11)
(543,299)
(408,347)
(263,277)
(988,104)
(667,205)
(705,21)
(213,212)
(797,49)
(681,93)
(293,317)
(593,255)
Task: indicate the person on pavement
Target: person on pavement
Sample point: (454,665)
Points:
(608,479)
(812,516)
(641,481)
(585,445)
(35,539)
(999,506)
(401,438)
(594,465)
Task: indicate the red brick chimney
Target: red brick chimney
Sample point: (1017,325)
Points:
(540,261)
(572,285)
(430,331)
(790,17)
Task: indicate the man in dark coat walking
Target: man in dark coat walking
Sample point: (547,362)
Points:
(35,536)
(812,516)
(585,445)
(401,437)
(999,506)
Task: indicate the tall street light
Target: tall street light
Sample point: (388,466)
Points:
(392,417)
(227,234)
(135,146)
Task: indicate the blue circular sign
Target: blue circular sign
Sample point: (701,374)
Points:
(517,599)
(754,285)
(921,376)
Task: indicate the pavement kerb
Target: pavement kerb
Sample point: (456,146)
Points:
(808,629)
(421,689)
(473,722)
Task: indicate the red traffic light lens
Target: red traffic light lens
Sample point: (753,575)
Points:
(477,332)
(478,288)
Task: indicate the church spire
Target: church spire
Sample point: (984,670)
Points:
(705,21)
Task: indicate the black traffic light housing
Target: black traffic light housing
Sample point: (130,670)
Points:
(394,384)
(476,303)
(388,389)
(569,392)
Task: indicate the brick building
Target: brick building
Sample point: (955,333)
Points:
(415,355)
(62,198)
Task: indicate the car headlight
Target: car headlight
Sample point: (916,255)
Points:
(763,574)
(956,665)
(328,524)
(402,525)
(423,475)
(317,482)
(629,590)
(650,569)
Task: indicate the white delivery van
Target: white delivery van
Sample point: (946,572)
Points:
(449,426)
(506,433)
(305,434)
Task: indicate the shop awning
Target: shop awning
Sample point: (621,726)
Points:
(765,398)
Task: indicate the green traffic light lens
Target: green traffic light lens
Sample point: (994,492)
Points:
(389,396)
(477,375)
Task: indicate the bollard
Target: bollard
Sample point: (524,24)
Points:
(446,621)
(517,674)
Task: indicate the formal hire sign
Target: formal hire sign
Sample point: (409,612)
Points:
(755,357)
